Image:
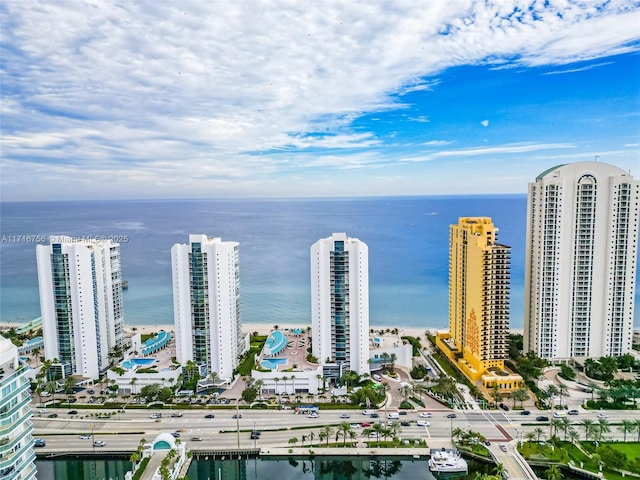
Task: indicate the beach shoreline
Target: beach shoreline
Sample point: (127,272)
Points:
(264,328)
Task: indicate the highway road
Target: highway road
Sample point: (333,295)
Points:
(123,432)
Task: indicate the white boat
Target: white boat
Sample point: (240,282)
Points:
(447,461)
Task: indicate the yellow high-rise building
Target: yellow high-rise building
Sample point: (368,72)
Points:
(479,282)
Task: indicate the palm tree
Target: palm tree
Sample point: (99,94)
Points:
(566,423)
(562,390)
(626,427)
(69,383)
(311,436)
(293,383)
(636,423)
(551,391)
(555,424)
(378,429)
(588,426)
(499,470)
(573,435)
(457,433)
(276,380)
(284,379)
(495,394)
(326,432)
(133,382)
(530,436)
(343,428)
(539,433)
(603,427)
(553,473)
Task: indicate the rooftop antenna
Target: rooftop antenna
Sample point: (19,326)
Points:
(596,158)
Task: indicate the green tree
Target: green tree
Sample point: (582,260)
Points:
(249,395)
(343,429)
(588,426)
(325,433)
(626,426)
(553,473)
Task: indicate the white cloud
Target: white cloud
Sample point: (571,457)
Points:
(145,93)
(484,123)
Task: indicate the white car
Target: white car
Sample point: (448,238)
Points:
(424,415)
(45,394)
(99,443)
(43,411)
(85,436)
(344,415)
(367,412)
(155,415)
(603,415)
(313,415)
(423,423)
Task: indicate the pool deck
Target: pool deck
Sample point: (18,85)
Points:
(295,351)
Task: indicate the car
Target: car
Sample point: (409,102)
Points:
(197,438)
(176,414)
(365,424)
(573,412)
(255,435)
(503,448)
(155,415)
(422,423)
(405,423)
(487,443)
(91,392)
(542,419)
(45,394)
(402,412)
(344,415)
(85,436)
(525,412)
(424,415)
(603,415)
(175,434)
(52,415)
(39,442)
(504,407)
(73,412)
(452,415)
(44,411)
(374,435)
(377,377)
(559,414)
(237,415)
(374,415)
(209,415)
(313,415)
(99,443)
(367,412)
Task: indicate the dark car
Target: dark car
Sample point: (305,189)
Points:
(237,415)
(525,412)
(504,407)
(374,415)
(405,423)
(487,443)
(40,442)
(91,392)
(573,412)
(255,435)
(53,415)
(542,419)
(209,415)
(73,412)
(452,415)
(176,434)
(402,412)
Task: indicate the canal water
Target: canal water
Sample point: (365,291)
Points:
(294,468)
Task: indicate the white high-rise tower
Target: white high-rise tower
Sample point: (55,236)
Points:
(340,302)
(581,253)
(206,304)
(81,303)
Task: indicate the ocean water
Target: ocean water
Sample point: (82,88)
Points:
(407,238)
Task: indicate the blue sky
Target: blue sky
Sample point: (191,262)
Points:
(260,99)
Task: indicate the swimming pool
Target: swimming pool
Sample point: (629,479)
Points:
(272,363)
(275,343)
(137,362)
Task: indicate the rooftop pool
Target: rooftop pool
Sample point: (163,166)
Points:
(272,363)
(137,362)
